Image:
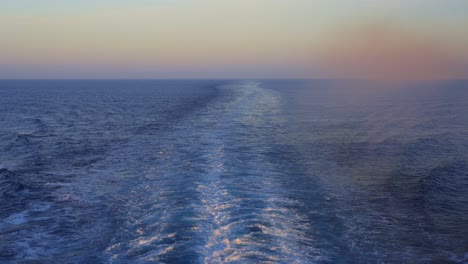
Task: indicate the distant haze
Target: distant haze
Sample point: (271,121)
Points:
(365,39)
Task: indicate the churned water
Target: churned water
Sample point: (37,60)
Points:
(233,172)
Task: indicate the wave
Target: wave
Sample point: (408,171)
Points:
(200,200)
(443,191)
(10,183)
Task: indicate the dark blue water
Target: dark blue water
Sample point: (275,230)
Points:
(233,172)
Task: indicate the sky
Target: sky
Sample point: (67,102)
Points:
(364,39)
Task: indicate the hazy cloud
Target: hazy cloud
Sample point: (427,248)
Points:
(380,49)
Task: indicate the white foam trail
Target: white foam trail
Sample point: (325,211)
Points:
(272,233)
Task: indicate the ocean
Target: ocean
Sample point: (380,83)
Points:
(231,171)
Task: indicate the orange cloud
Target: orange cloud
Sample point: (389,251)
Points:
(386,51)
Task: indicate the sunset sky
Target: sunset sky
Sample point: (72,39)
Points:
(375,39)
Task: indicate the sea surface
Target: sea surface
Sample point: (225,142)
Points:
(232,171)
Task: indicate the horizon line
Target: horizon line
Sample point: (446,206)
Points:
(220,78)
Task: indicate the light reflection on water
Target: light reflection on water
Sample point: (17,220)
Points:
(239,172)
